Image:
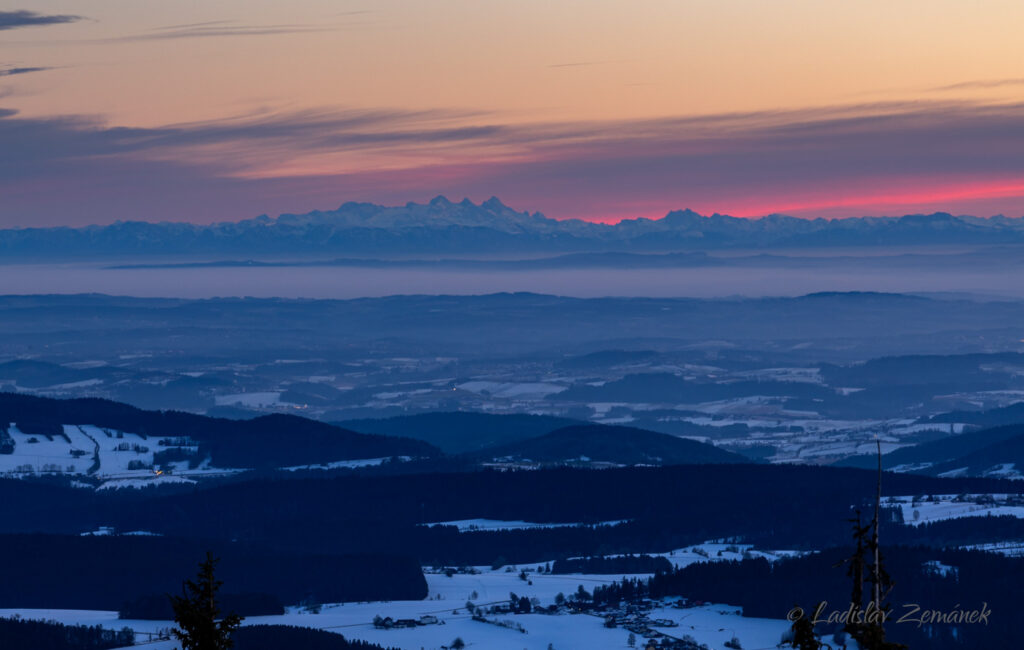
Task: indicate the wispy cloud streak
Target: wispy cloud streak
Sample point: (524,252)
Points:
(826,159)
(982,84)
(222,29)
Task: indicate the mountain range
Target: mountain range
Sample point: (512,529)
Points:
(443,226)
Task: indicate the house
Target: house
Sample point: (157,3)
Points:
(427,619)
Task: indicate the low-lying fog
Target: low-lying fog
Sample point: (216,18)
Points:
(353,282)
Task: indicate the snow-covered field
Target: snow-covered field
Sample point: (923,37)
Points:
(710,624)
(84,449)
(1009,549)
(717,552)
(144,482)
(1005,470)
(713,624)
(951,506)
(340,464)
(499,524)
(39,454)
(251,400)
(526,390)
(799,375)
(118,459)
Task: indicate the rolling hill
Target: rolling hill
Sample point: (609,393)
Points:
(103,438)
(1012,414)
(596,443)
(975,453)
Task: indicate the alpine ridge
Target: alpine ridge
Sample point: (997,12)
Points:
(444,226)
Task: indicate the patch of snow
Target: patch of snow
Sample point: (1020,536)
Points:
(255,400)
(936,567)
(338,464)
(950,506)
(497,524)
(527,390)
(138,483)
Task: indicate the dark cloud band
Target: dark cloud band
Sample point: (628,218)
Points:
(24,18)
(10,72)
(780,158)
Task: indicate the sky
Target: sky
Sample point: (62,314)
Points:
(595,109)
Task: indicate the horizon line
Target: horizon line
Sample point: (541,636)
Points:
(465,201)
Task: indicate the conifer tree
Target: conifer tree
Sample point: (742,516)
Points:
(804,637)
(200,626)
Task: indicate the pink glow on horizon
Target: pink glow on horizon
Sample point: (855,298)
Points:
(595,111)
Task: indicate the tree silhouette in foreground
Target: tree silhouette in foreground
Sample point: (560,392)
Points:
(866,566)
(196,612)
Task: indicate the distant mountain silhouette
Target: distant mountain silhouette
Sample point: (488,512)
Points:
(612,444)
(444,226)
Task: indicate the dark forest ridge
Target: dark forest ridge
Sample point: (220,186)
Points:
(491,227)
(611,444)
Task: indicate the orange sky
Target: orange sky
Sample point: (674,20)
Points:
(575,108)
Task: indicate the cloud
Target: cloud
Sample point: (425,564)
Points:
(834,160)
(225,29)
(981,84)
(222,28)
(24,18)
(10,72)
(208,23)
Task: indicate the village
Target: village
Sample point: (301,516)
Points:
(645,630)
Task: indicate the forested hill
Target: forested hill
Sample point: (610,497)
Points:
(975,452)
(612,444)
(667,507)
